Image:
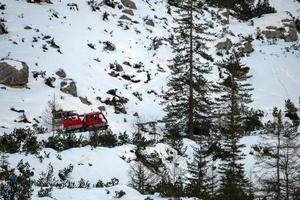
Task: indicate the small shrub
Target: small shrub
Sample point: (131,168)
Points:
(45,192)
(112,182)
(83,184)
(99,184)
(19,139)
(124,138)
(65,173)
(119,194)
(106,139)
(62,141)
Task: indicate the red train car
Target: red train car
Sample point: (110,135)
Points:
(71,121)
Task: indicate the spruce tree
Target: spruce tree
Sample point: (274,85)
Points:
(187,98)
(199,184)
(230,105)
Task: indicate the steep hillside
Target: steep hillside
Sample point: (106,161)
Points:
(69,35)
(92,56)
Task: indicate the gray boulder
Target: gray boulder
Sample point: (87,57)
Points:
(150,22)
(287,31)
(223,15)
(69,87)
(248,47)
(61,73)
(13,73)
(291,35)
(129,4)
(84,100)
(226,45)
(128,11)
(124,17)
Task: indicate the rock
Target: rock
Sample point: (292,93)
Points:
(39,1)
(3,29)
(124,17)
(292,35)
(69,88)
(223,14)
(49,81)
(110,3)
(271,27)
(226,45)
(102,108)
(109,46)
(129,4)
(273,34)
(27,28)
(297,24)
(85,101)
(128,11)
(119,108)
(13,73)
(288,31)
(61,73)
(150,22)
(248,47)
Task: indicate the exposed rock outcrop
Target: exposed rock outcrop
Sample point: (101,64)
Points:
(129,4)
(226,45)
(84,100)
(3,29)
(150,22)
(61,73)
(13,73)
(69,87)
(128,11)
(287,32)
(223,15)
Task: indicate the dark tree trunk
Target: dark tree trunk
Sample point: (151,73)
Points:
(191,83)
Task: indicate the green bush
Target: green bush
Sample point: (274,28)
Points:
(19,140)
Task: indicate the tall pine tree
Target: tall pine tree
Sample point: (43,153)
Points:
(230,105)
(199,182)
(187,98)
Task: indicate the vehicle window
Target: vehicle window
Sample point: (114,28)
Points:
(93,117)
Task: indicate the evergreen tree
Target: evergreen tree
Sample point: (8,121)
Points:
(141,178)
(46,181)
(244,9)
(18,186)
(199,184)
(278,155)
(230,105)
(187,98)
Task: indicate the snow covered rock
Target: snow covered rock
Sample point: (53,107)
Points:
(223,14)
(248,47)
(286,31)
(129,4)
(150,22)
(128,11)
(61,73)
(13,73)
(69,88)
(226,45)
(124,17)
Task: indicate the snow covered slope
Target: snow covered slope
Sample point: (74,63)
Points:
(49,37)
(32,27)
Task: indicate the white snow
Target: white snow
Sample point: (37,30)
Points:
(16,64)
(276,77)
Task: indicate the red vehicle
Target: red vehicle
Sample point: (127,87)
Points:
(71,121)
